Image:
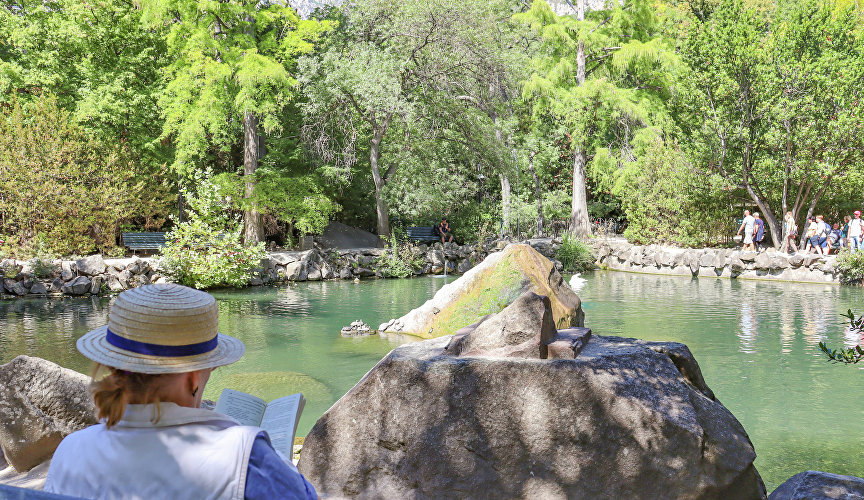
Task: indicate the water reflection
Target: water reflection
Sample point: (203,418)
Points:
(757,345)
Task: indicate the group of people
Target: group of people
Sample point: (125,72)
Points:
(819,237)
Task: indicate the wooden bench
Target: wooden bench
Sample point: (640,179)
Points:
(143,241)
(422,233)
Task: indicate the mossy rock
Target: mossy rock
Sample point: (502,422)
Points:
(490,287)
(268,385)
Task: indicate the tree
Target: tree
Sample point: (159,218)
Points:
(228,80)
(389,62)
(623,89)
(774,106)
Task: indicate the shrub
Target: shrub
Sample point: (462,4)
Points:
(575,254)
(64,191)
(207,251)
(398,261)
(850,267)
(42,267)
(195,255)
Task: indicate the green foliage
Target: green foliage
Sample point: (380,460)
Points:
(665,199)
(64,191)
(850,355)
(399,260)
(772,104)
(850,267)
(576,254)
(207,250)
(42,267)
(227,59)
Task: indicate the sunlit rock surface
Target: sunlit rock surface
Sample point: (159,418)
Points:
(487,289)
(816,485)
(624,419)
(40,403)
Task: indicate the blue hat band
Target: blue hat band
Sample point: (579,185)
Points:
(168,351)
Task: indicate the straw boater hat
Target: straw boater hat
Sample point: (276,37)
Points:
(161,329)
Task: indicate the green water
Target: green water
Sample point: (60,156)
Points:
(755,341)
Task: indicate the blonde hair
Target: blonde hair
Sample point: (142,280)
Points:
(113,392)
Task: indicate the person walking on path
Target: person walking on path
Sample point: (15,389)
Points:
(824,229)
(844,240)
(812,236)
(855,232)
(790,232)
(154,441)
(758,231)
(747,226)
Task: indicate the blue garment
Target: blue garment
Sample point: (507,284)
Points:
(760,230)
(268,476)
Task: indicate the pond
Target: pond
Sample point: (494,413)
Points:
(757,344)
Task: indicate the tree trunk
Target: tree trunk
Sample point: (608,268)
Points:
(253,229)
(505,203)
(579,224)
(381,208)
(538,194)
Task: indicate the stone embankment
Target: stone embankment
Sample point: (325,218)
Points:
(95,275)
(716,262)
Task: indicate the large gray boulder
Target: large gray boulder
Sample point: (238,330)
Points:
(338,235)
(816,485)
(624,419)
(40,403)
(91,266)
(78,286)
(522,329)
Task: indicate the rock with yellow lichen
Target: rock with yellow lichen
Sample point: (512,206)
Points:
(487,289)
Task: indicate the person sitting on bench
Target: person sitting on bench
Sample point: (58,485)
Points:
(443,230)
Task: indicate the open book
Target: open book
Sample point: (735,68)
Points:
(278,417)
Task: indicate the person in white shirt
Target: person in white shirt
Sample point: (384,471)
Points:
(154,441)
(747,226)
(855,232)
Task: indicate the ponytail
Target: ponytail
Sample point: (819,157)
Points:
(114,391)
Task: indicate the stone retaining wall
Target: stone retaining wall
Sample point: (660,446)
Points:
(94,275)
(716,262)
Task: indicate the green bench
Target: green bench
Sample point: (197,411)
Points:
(422,233)
(143,241)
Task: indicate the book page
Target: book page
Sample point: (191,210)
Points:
(244,408)
(280,421)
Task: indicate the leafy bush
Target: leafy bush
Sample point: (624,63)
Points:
(399,260)
(42,267)
(575,254)
(850,267)
(207,251)
(64,191)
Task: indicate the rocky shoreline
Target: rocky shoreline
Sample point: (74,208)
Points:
(620,255)
(95,275)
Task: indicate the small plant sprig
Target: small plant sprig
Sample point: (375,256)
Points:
(850,355)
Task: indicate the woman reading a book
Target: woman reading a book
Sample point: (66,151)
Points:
(154,440)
